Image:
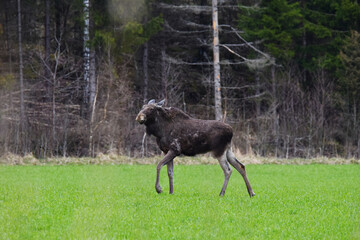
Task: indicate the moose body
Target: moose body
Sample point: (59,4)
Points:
(177,133)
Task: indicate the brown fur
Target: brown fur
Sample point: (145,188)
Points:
(185,135)
(178,133)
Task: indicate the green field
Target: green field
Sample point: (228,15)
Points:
(120,202)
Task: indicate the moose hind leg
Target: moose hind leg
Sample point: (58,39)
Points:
(241,169)
(227,172)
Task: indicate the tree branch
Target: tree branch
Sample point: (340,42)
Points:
(247,43)
(194,8)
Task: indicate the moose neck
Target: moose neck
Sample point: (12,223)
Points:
(157,128)
(162,124)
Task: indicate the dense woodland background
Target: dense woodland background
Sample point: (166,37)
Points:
(74,74)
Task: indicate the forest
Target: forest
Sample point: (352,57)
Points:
(284,74)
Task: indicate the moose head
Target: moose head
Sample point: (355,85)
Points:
(149,111)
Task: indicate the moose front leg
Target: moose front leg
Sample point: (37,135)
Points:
(170,170)
(168,158)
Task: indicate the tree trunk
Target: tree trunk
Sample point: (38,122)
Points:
(257,93)
(92,101)
(9,52)
(356,130)
(86,38)
(66,129)
(322,112)
(53,103)
(146,82)
(49,91)
(58,12)
(304,42)
(258,111)
(217,83)
(92,80)
(54,146)
(274,113)
(21,79)
(163,72)
(146,73)
(90,89)
(7,32)
(47,48)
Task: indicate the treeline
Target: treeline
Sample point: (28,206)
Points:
(74,74)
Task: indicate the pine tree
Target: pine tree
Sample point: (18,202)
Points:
(350,81)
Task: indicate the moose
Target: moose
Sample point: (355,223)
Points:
(177,133)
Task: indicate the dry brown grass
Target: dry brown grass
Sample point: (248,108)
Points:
(112,159)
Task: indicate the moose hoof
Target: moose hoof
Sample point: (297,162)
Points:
(158,189)
(252,194)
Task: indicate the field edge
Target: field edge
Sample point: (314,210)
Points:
(113,159)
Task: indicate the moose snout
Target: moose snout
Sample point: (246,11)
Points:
(140,118)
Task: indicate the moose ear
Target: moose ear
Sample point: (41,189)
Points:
(152,101)
(161,103)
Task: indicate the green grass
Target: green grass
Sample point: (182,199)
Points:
(120,202)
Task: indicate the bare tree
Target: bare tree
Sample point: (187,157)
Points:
(21,79)
(217,83)
(145,70)
(47,46)
(89,74)
(86,39)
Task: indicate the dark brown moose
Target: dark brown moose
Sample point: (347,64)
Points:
(178,133)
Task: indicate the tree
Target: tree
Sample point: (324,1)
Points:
(89,60)
(47,46)
(22,118)
(350,82)
(89,73)
(285,86)
(216,59)
(277,25)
